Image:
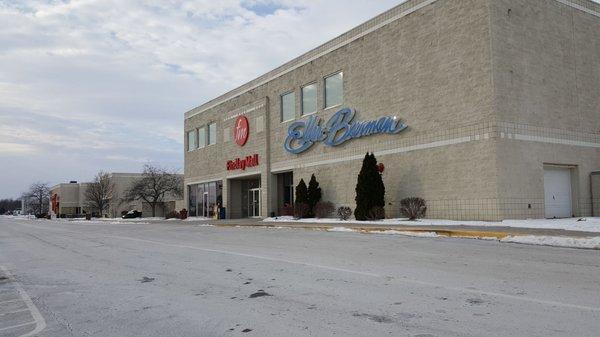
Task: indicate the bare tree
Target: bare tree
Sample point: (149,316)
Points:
(154,185)
(38,198)
(99,192)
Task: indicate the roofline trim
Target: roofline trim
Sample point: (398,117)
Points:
(580,7)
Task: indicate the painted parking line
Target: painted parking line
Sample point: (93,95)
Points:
(14,312)
(38,324)
(10,301)
(12,306)
(19,326)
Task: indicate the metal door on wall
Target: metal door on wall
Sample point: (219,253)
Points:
(595,187)
(254,202)
(557,192)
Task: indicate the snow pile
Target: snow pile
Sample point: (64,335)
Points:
(573,224)
(19,217)
(111,221)
(385,232)
(129,220)
(287,218)
(197,218)
(122,222)
(407,233)
(104,222)
(556,241)
(341,229)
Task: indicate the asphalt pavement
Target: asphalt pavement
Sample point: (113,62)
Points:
(178,279)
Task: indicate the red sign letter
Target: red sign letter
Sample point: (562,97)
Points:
(241,130)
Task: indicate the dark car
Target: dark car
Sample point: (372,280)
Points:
(132,214)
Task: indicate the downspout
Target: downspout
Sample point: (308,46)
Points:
(592,174)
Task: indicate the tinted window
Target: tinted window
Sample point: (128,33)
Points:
(212,133)
(192,140)
(309,99)
(202,137)
(288,106)
(334,90)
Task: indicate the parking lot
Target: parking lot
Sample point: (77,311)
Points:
(173,279)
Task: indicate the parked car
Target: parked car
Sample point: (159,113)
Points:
(132,214)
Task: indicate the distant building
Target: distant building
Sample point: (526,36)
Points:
(26,208)
(68,200)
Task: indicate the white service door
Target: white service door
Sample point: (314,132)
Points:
(557,190)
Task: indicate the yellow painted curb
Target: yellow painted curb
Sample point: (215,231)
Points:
(450,233)
(375,229)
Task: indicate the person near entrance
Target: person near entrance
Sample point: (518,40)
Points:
(217,210)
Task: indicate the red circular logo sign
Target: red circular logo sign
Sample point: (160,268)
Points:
(241,130)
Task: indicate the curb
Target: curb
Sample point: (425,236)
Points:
(475,234)
(501,236)
(453,233)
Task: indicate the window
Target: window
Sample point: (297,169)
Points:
(334,90)
(191,135)
(288,188)
(309,99)
(288,107)
(202,137)
(192,193)
(205,199)
(212,133)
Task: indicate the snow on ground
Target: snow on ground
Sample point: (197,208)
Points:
(197,218)
(19,217)
(406,233)
(341,229)
(130,220)
(574,224)
(388,232)
(111,221)
(556,241)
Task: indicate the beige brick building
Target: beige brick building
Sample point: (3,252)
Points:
(70,200)
(501,99)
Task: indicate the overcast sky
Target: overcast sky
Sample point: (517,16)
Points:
(96,85)
(103,85)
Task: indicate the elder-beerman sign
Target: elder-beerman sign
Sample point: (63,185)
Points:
(338,129)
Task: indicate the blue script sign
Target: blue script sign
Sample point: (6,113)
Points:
(338,129)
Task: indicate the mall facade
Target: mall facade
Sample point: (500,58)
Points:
(487,109)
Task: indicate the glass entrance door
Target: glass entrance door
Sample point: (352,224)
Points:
(204,211)
(254,202)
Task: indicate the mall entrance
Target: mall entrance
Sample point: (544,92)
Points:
(285,193)
(245,197)
(254,202)
(206,199)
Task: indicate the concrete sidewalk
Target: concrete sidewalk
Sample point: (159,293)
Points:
(498,232)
